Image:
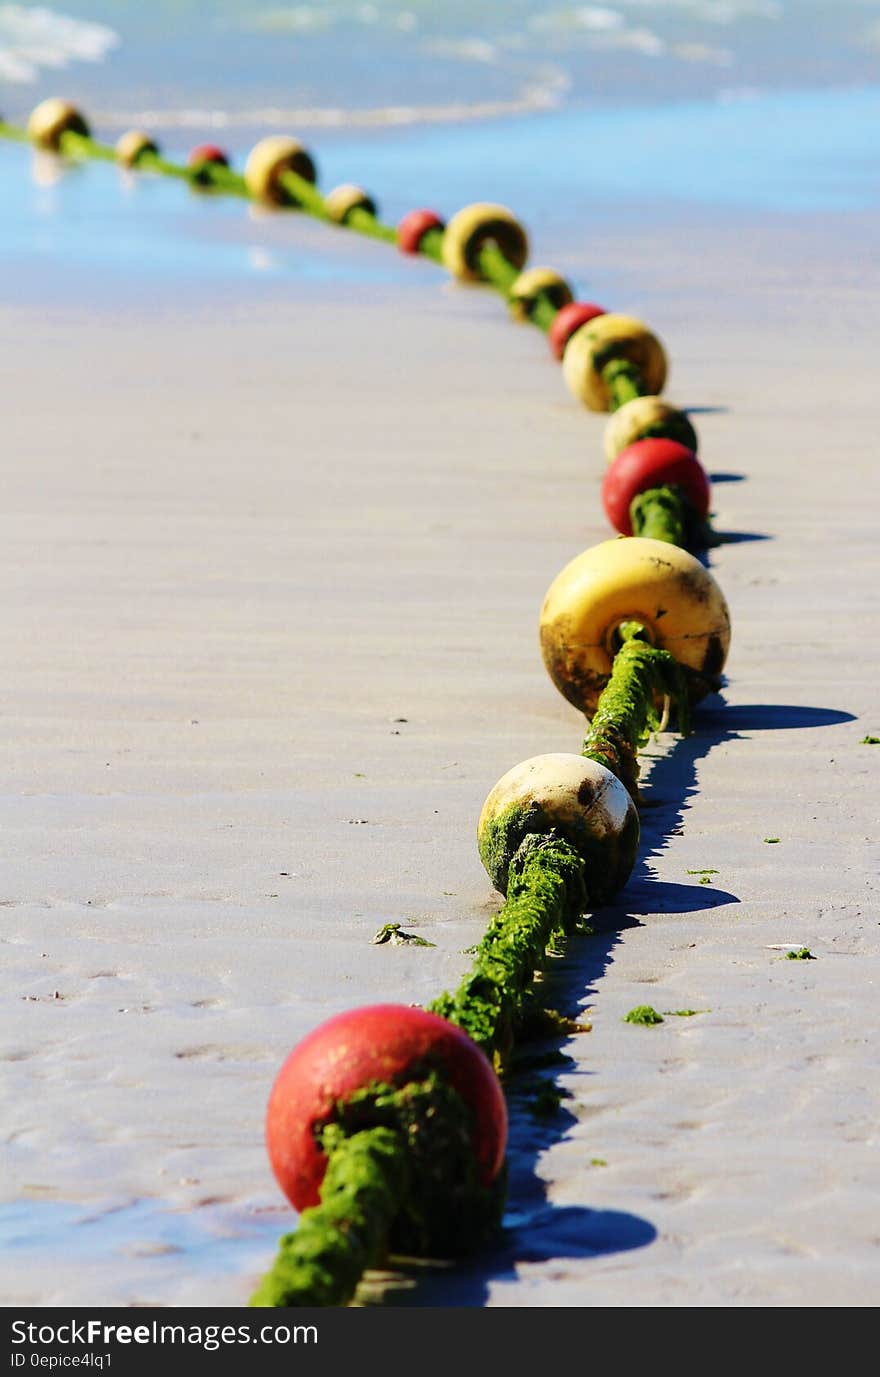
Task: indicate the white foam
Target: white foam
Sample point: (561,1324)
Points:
(544,92)
(33,39)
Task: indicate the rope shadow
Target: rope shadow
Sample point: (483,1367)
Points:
(535,1230)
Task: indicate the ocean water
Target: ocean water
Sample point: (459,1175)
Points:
(736,106)
(395,61)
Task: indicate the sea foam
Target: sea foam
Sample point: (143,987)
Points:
(31,39)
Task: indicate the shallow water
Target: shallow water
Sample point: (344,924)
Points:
(666,108)
(78,230)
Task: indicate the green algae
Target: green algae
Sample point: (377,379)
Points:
(607,860)
(495,268)
(685,1013)
(431,244)
(545,896)
(643,1015)
(664,513)
(622,377)
(660,514)
(394,935)
(500,837)
(803,954)
(598,1162)
(337,1240)
(627,712)
(771,841)
(870,741)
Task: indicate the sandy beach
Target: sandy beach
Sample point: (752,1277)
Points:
(278,512)
(270,638)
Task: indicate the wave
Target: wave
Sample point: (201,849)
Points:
(545,93)
(31,39)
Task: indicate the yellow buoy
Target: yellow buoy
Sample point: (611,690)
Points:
(597,343)
(267,162)
(642,418)
(475,226)
(52,118)
(534,282)
(131,147)
(342,200)
(632,579)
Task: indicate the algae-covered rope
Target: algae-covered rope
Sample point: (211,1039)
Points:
(388,1144)
(335,1242)
(547,893)
(643,679)
(625,382)
(662,514)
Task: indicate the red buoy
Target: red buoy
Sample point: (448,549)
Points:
(208,153)
(569,319)
(386,1043)
(413,228)
(652,463)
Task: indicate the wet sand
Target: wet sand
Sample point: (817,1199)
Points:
(272,578)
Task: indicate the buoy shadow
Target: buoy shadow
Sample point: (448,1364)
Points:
(739,537)
(552,1233)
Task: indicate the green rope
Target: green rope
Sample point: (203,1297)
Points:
(431,245)
(630,706)
(223,180)
(303,195)
(666,514)
(13,132)
(74,145)
(546,896)
(501,274)
(495,268)
(400,1177)
(660,514)
(624,382)
(362,221)
(543,312)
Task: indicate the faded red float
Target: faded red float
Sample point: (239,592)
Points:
(652,463)
(569,319)
(208,153)
(413,228)
(386,1043)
